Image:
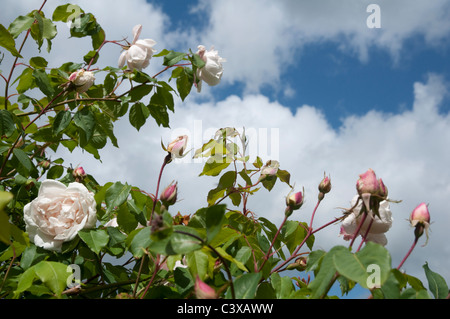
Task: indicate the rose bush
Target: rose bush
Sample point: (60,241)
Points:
(58,212)
(128,242)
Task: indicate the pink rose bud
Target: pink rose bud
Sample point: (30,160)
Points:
(82,80)
(367,183)
(203,291)
(169,195)
(79,174)
(324,187)
(293,202)
(177,146)
(420,219)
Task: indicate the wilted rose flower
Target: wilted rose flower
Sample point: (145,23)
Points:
(138,55)
(380,225)
(82,80)
(58,213)
(212,72)
(177,146)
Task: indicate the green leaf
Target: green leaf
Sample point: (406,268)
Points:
(85,120)
(20,24)
(283,286)
(215,164)
(197,262)
(7,41)
(140,91)
(7,127)
(245,286)
(173,58)
(138,115)
(38,62)
(53,274)
(43,82)
(215,217)
(226,181)
(139,240)
(66,12)
(55,172)
(96,239)
(436,283)
(323,279)
(44,29)
(184,84)
(26,80)
(5,232)
(370,267)
(116,195)
(62,120)
(234,261)
(23,159)
(178,242)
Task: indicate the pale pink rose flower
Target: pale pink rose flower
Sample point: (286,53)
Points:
(58,212)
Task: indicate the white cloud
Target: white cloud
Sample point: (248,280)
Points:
(262,39)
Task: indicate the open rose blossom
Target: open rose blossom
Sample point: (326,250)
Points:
(138,55)
(82,80)
(212,72)
(377,229)
(58,213)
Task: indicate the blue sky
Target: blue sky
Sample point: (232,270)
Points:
(342,97)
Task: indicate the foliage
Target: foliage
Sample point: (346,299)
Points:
(152,252)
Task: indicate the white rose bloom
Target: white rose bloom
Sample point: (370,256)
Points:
(377,229)
(82,80)
(212,72)
(58,213)
(139,53)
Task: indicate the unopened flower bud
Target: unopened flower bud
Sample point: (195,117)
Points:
(293,202)
(44,164)
(82,80)
(420,219)
(368,183)
(269,170)
(79,174)
(169,195)
(324,187)
(299,264)
(177,146)
(203,291)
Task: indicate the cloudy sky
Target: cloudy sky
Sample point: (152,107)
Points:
(314,86)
